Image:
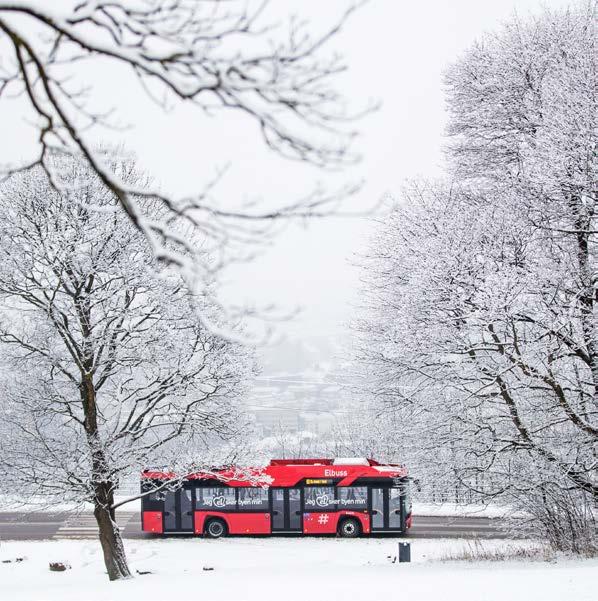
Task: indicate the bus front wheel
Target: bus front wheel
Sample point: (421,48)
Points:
(349,528)
(215,528)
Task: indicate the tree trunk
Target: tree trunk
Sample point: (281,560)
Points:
(110,538)
(112,545)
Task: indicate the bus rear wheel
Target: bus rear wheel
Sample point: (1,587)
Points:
(215,528)
(349,528)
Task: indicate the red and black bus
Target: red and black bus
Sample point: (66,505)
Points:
(347,497)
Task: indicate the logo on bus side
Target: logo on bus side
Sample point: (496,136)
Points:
(324,500)
(219,501)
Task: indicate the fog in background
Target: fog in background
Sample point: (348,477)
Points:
(397,51)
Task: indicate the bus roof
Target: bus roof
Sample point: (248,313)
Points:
(290,472)
(337,461)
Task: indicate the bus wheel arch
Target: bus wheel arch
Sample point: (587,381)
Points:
(349,527)
(215,528)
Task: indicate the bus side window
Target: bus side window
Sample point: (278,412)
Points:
(394,499)
(353,497)
(152,500)
(253,499)
(319,498)
(215,498)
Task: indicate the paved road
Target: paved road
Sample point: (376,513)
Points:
(48,526)
(17,525)
(456,527)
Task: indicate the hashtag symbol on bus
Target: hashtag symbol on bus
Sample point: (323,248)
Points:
(323,519)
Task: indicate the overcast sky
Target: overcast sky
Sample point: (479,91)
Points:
(396,51)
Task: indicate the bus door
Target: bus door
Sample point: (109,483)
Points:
(387,509)
(395,509)
(178,510)
(379,511)
(286,510)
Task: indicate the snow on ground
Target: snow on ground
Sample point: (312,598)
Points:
(288,569)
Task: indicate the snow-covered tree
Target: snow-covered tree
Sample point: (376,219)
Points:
(480,309)
(212,55)
(524,116)
(107,367)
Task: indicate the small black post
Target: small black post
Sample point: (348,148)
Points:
(404,552)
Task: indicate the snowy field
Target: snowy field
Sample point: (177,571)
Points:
(285,569)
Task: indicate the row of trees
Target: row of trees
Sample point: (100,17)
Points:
(480,321)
